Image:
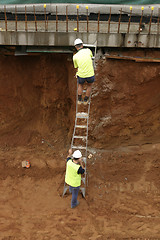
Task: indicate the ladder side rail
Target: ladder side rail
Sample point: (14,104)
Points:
(95,52)
(95,45)
(74,133)
(88,121)
(66,187)
(85,174)
(75,118)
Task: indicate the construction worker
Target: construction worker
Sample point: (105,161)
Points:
(83,61)
(74,169)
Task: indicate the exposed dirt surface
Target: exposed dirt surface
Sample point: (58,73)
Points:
(37,100)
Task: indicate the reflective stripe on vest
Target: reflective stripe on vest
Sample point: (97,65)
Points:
(72,178)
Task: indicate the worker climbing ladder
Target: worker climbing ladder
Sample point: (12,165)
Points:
(80,133)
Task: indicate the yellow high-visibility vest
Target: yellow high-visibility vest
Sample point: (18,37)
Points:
(83,61)
(72,178)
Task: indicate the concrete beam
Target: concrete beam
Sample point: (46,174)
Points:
(60,39)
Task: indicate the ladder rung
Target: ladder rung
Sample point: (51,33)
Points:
(82,115)
(83,180)
(65,189)
(79,147)
(81,126)
(89,45)
(83,191)
(82,137)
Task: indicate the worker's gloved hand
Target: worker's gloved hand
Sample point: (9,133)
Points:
(80,160)
(70,151)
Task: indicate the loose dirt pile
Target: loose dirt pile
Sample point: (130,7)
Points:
(37,100)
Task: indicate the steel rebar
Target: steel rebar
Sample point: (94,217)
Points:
(5,17)
(66,18)
(98,21)
(56,19)
(109,20)
(129,19)
(119,22)
(150,22)
(87,19)
(47,23)
(25,20)
(35,19)
(158,21)
(45,16)
(140,23)
(16,18)
(77,18)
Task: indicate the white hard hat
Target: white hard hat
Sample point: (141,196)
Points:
(78,41)
(77,154)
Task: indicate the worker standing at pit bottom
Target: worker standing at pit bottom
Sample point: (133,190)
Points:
(83,61)
(74,169)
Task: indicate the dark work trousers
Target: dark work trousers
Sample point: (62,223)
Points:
(74,191)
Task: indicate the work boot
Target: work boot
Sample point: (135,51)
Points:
(80,99)
(86,100)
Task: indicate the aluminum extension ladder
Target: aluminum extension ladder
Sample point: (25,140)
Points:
(80,133)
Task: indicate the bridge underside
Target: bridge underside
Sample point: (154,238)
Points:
(59,39)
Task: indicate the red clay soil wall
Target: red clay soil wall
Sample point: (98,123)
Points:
(34,98)
(37,99)
(126,102)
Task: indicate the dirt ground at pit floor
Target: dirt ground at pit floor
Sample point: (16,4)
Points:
(122,198)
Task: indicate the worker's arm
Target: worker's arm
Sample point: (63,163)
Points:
(69,154)
(75,62)
(81,169)
(91,54)
(81,162)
